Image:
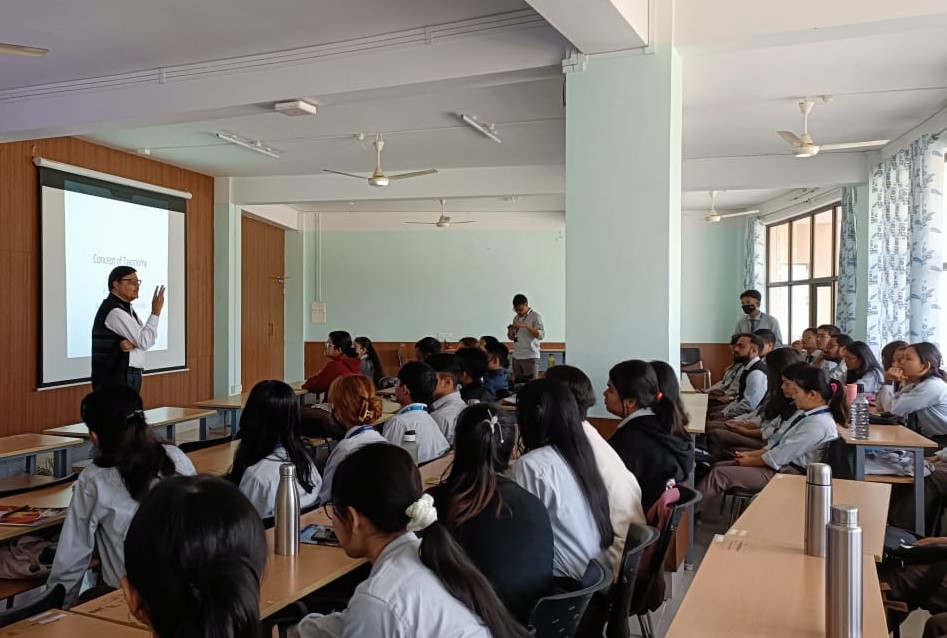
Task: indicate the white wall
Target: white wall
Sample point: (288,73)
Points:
(712,266)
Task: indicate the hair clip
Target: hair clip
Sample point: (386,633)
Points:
(494,425)
(139,413)
(659,396)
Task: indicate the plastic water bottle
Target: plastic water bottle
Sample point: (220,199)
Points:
(843,574)
(410,443)
(858,415)
(287,512)
(551,361)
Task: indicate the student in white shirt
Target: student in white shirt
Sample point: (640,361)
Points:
(751,386)
(195,553)
(754,318)
(891,364)
(269,437)
(526,331)
(448,403)
(923,397)
(558,466)
(822,336)
(416,588)
(414,390)
(128,462)
(356,407)
(810,344)
(861,367)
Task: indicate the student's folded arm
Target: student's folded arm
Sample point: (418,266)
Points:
(123,324)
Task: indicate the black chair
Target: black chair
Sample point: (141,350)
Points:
(691,357)
(558,616)
(192,446)
(639,537)
(51,599)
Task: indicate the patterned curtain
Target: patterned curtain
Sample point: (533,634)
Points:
(924,278)
(847,265)
(755,275)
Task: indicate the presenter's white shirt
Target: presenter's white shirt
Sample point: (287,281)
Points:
(131,328)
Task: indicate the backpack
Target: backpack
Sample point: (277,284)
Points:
(27,556)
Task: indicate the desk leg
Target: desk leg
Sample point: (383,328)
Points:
(169,433)
(31,464)
(203,426)
(60,460)
(235,423)
(692,511)
(918,490)
(859,462)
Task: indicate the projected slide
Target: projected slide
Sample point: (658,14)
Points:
(101,234)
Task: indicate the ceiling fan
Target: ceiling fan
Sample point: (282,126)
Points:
(443,221)
(19,49)
(378,178)
(804,146)
(713,216)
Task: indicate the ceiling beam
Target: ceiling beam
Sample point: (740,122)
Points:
(598,26)
(774,171)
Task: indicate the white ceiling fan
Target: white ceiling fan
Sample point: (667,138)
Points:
(19,49)
(443,221)
(378,178)
(804,146)
(713,216)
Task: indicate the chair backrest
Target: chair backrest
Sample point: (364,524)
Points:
(690,356)
(52,598)
(192,446)
(558,616)
(639,537)
(649,591)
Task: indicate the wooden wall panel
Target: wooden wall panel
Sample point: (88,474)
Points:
(24,408)
(717,357)
(263,262)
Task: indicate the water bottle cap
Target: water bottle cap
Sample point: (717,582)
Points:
(846,515)
(861,388)
(287,469)
(819,474)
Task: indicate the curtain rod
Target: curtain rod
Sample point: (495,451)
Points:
(937,135)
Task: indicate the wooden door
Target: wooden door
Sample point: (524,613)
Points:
(262,302)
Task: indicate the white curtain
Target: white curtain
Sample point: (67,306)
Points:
(755,274)
(847,265)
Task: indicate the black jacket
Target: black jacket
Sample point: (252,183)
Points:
(109,362)
(653,455)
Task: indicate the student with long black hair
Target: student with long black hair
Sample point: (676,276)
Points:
(128,461)
(342,362)
(504,529)
(269,437)
(651,438)
(424,587)
(862,367)
(559,467)
(369,363)
(800,441)
(922,400)
(195,554)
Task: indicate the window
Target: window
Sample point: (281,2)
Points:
(802,270)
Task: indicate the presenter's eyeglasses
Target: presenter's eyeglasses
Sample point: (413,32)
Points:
(133,282)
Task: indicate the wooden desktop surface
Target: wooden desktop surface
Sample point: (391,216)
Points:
(25,444)
(63,624)
(696,405)
(156,417)
(887,436)
(756,589)
(237,401)
(777,515)
(215,460)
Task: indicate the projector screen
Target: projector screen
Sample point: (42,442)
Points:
(89,226)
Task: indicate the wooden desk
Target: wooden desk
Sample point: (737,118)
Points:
(215,460)
(168,418)
(29,445)
(54,496)
(686,385)
(64,624)
(753,589)
(894,437)
(778,514)
(233,405)
(696,405)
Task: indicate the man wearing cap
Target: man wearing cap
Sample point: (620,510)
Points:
(119,339)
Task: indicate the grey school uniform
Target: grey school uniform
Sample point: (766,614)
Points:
(401,598)
(747,325)
(927,402)
(753,392)
(872,381)
(98,518)
(431,443)
(730,382)
(354,439)
(261,480)
(445,411)
(576,540)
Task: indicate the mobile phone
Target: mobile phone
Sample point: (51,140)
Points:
(319,535)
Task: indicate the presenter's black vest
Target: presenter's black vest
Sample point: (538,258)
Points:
(759,365)
(109,363)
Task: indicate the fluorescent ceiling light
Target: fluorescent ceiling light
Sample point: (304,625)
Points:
(488,130)
(253,145)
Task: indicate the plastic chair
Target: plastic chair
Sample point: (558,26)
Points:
(558,616)
(639,537)
(51,599)
(691,357)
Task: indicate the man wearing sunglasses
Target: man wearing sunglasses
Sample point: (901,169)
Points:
(119,338)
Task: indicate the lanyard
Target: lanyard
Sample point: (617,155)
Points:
(783,432)
(362,428)
(414,407)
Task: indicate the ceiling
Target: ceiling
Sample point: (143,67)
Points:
(698,202)
(515,204)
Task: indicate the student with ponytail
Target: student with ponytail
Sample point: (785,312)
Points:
(370,364)
(922,398)
(504,529)
(424,587)
(558,466)
(128,462)
(195,553)
(799,441)
(651,438)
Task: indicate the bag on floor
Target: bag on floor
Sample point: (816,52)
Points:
(27,556)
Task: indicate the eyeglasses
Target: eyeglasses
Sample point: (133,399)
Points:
(133,282)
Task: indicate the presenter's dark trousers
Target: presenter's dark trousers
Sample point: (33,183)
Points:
(133,379)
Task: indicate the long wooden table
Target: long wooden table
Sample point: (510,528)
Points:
(29,445)
(63,624)
(233,405)
(167,418)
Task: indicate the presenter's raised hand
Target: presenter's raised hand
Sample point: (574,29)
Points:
(157,302)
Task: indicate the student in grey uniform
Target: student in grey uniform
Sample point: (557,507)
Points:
(356,407)
(414,390)
(923,397)
(195,554)
(269,437)
(862,367)
(526,331)
(558,466)
(754,318)
(751,387)
(369,363)
(416,588)
(129,460)
(822,336)
(890,362)
(447,400)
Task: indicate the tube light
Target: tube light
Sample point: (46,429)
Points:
(487,130)
(256,145)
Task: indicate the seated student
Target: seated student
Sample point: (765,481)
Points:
(425,348)
(195,554)
(447,400)
(822,335)
(342,362)
(754,318)
(920,585)
(473,362)
(624,493)
(370,364)
(923,398)
(497,377)
(727,387)
(802,440)
(769,341)
(269,437)
(415,392)
(559,467)
(504,529)
(416,588)
(670,386)
(651,439)
(468,342)
(890,359)
(751,387)
(812,351)
(128,461)
(835,357)
(356,407)
(862,367)
(486,340)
